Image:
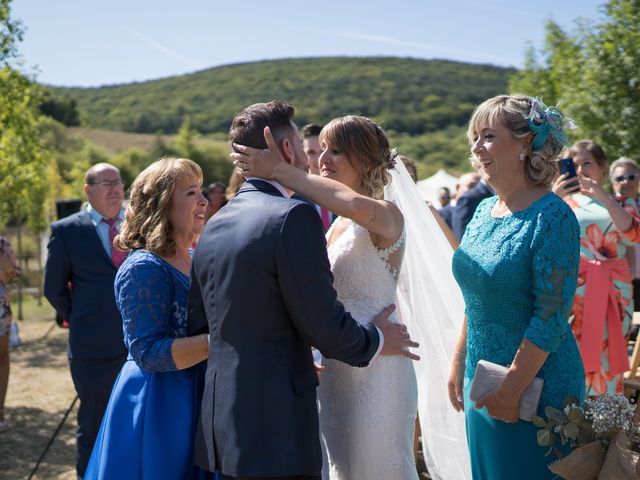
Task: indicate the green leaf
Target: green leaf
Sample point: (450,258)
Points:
(554,414)
(572,430)
(545,438)
(538,421)
(575,416)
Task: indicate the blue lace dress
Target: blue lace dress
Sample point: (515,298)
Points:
(149,426)
(518,277)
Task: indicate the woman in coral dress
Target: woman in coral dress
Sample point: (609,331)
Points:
(603,304)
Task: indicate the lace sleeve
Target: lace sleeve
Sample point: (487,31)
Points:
(556,254)
(144,294)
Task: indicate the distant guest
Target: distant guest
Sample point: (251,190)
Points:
(311,145)
(444,196)
(411,167)
(216,195)
(81,255)
(235,180)
(8,270)
(465,183)
(466,206)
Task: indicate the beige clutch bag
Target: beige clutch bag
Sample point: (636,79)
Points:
(489,376)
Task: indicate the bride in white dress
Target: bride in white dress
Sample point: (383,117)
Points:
(367,415)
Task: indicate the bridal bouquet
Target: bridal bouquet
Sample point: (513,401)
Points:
(602,433)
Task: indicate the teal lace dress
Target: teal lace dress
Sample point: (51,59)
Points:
(518,276)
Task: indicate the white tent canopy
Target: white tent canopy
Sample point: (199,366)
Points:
(429,186)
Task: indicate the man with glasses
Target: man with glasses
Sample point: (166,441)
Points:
(79,276)
(625,178)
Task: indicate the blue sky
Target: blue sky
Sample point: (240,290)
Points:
(87,43)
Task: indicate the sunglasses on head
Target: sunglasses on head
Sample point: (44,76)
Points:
(621,178)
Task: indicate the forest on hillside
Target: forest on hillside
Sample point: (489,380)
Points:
(423,104)
(408,96)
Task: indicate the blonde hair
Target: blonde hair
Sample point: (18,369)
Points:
(146,224)
(512,111)
(363,139)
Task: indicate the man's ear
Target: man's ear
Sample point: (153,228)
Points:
(287,151)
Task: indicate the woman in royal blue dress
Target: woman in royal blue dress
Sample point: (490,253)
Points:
(149,426)
(517,267)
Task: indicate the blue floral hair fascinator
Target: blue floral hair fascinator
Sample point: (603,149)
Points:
(545,120)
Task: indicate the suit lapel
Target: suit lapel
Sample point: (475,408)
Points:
(89,230)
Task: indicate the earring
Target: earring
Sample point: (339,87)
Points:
(522,157)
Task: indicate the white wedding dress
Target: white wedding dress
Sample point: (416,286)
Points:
(367,415)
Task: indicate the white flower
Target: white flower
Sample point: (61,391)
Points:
(609,413)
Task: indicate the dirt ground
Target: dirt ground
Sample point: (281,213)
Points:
(40,393)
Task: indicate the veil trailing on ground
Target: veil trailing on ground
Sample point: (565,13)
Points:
(431,305)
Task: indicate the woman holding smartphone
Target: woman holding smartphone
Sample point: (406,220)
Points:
(603,305)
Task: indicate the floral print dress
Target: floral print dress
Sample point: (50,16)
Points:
(8,270)
(603,304)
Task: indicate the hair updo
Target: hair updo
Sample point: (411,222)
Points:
(366,146)
(513,111)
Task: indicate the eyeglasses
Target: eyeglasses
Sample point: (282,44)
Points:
(629,178)
(109,183)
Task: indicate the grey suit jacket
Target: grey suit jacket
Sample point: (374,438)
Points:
(262,286)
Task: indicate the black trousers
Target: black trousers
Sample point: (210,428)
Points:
(93,379)
(293,477)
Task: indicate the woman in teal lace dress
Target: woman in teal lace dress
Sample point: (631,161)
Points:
(517,267)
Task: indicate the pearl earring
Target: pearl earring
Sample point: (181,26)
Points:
(522,157)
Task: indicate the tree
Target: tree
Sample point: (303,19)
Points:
(22,165)
(11,32)
(60,108)
(595,75)
(213,158)
(23,169)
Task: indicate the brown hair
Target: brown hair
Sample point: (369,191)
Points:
(236,179)
(595,150)
(511,111)
(410,165)
(311,130)
(146,224)
(361,138)
(247,128)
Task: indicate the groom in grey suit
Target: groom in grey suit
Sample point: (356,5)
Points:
(262,287)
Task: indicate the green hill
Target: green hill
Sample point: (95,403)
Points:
(408,96)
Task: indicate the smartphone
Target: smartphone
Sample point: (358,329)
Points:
(566,166)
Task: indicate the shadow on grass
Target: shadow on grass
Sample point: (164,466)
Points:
(22,445)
